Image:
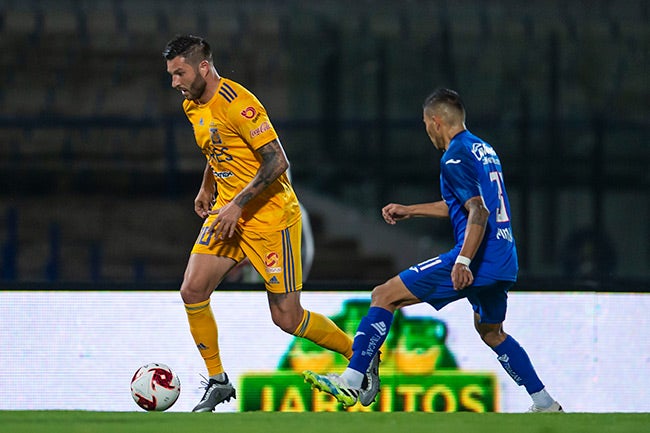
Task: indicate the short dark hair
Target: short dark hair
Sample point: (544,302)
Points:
(447,97)
(194,48)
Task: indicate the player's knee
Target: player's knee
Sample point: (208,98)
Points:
(285,321)
(377,296)
(383,296)
(193,293)
(492,336)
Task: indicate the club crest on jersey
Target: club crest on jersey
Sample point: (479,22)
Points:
(215,138)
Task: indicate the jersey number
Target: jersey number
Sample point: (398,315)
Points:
(502,214)
(205,236)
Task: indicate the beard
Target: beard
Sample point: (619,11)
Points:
(197,88)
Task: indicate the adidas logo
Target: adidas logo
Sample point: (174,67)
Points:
(380,327)
(273,280)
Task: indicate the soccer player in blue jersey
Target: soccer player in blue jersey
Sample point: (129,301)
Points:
(481,267)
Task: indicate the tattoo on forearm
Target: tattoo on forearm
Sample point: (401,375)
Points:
(273,165)
(243,199)
(480,214)
(477,218)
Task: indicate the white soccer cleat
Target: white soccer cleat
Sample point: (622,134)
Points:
(555,407)
(215,393)
(370,386)
(334,385)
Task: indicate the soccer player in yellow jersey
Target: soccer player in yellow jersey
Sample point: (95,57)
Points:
(250,210)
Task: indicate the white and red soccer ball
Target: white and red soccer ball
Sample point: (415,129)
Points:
(155,387)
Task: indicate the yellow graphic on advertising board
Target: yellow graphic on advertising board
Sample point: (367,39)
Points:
(418,372)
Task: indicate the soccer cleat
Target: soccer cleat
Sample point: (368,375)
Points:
(215,392)
(370,387)
(555,407)
(333,385)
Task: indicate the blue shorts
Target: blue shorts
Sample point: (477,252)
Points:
(430,281)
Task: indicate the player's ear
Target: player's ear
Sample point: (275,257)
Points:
(433,118)
(204,67)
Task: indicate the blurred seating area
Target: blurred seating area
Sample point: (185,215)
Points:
(87,116)
(102,57)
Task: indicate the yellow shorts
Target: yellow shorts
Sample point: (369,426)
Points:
(275,255)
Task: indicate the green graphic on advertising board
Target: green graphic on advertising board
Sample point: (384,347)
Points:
(418,372)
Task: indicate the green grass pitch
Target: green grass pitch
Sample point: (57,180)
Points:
(339,422)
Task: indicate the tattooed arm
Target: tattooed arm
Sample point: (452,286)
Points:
(477,217)
(274,163)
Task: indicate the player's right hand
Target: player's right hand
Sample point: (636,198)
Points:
(203,203)
(393,212)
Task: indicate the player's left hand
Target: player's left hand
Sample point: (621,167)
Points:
(461,276)
(225,223)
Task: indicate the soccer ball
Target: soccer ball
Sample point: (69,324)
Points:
(155,387)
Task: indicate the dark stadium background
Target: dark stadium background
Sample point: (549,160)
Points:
(98,168)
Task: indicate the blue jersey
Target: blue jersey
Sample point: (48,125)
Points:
(470,167)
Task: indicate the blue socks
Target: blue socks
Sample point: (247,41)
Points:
(374,328)
(371,334)
(516,363)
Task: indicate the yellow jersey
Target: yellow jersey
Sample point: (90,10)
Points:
(228,129)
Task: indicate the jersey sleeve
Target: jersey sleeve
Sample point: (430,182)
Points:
(462,177)
(249,118)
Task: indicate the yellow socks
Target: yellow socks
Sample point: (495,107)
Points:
(314,327)
(322,331)
(204,331)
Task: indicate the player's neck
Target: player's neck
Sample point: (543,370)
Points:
(451,133)
(212,84)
